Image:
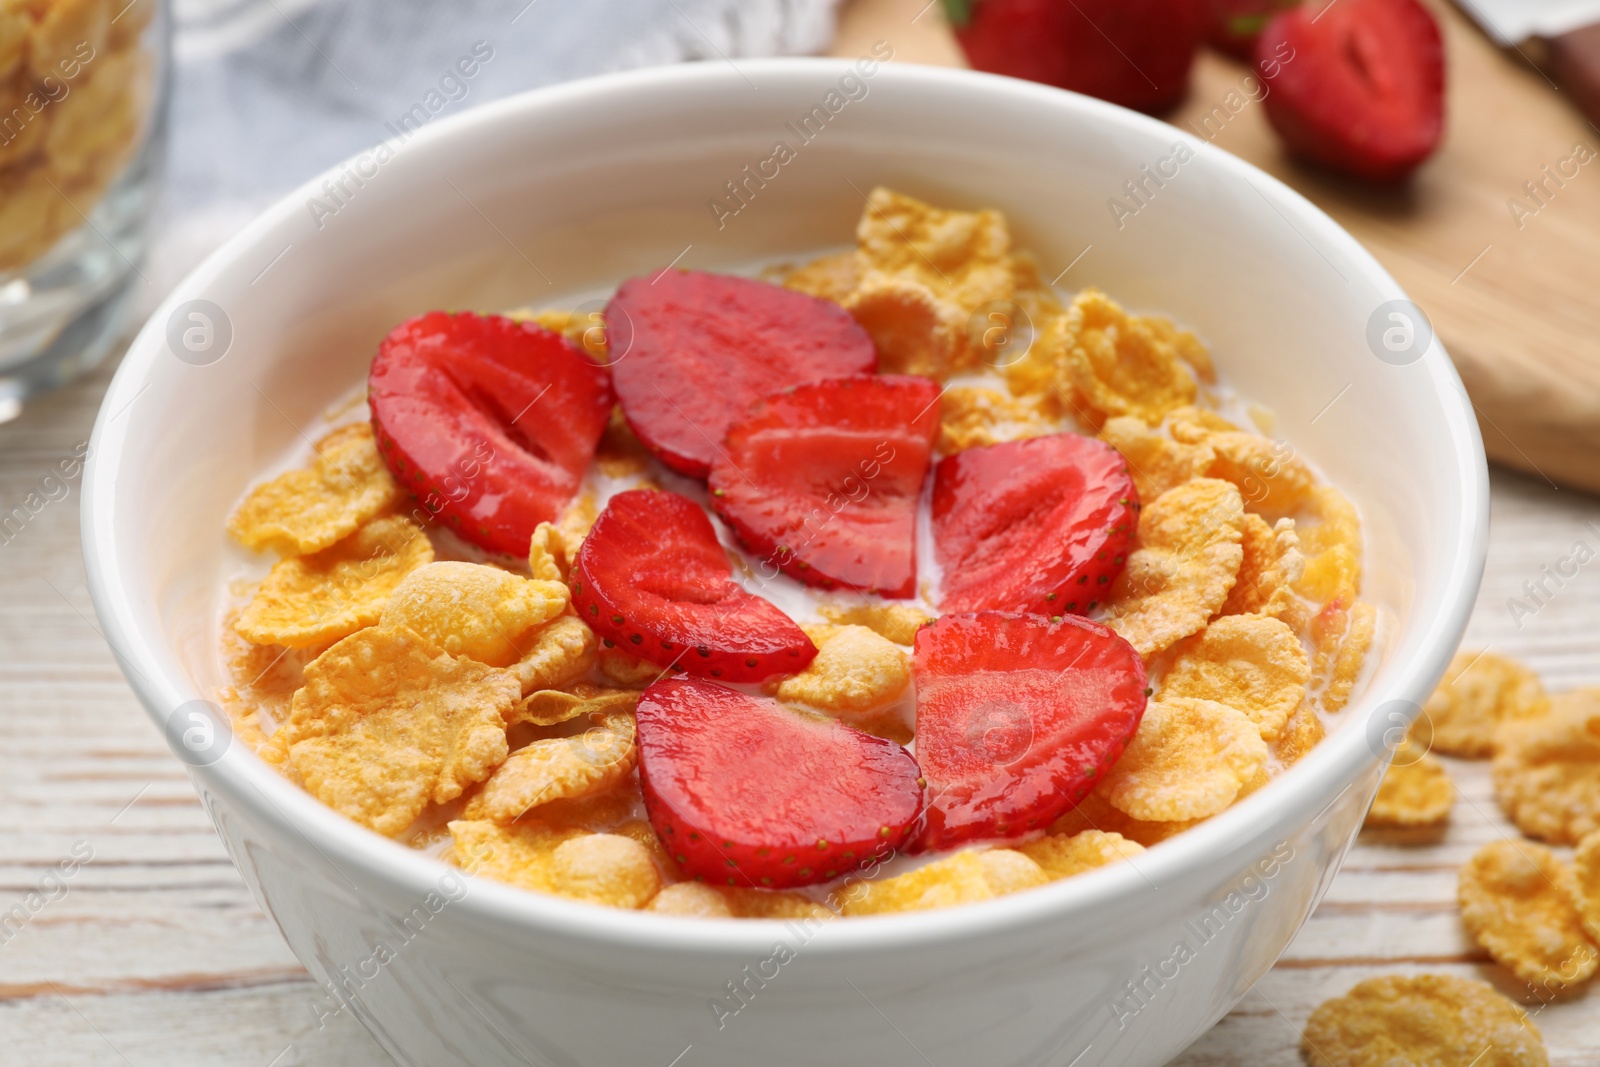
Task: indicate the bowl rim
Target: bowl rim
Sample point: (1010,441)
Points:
(240,775)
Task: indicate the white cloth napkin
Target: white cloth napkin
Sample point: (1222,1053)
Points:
(268,93)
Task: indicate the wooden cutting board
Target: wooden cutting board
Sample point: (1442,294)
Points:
(1513,294)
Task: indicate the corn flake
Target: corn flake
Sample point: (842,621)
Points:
(1516,901)
(387,722)
(1009,871)
(1156,462)
(1424,1020)
(1272,564)
(691,900)
(1092,813)
(971,415)
(547,554)
(1186,563)
(1303,732)
(1586,884)
(309,509)
(551,707)
(896,622)
(1331,541)
(1251,663)
(1547,770)
(473,610)
(1416,791)
(829,278)
(1341,638)
(913,330)
(1479,691)
(629,672)
(1188,760)
(555,654)
(1268,473)
(771,904)
(558,768)
(1116,364)
(1064,855)
(855,672)
(959,879)
(320,597)
(614,870)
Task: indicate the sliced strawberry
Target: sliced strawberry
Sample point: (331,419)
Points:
(1041,525)
(1017,718)
(822,480)
(747,792)
(653,579)
(490,422)
(1356,85)
(707,346)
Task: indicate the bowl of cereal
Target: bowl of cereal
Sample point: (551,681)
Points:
(658,571)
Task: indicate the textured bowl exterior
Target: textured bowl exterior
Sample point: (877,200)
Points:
(564,191)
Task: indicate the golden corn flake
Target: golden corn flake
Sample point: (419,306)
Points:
(558,768)
(551,707)
(1187,561)
(1303,732)
(318,598)
(309,509)
(547,554)
(1416,791)
(856,672)
(691,900)
(575,522)
(1268,473)
(1516,901)
(1156,462)
(557,653)
(1251,663)
(1115,364)
(630,672)
(971,415)
(1331,542)
(1064,855)
(1188,759)
(771,904)
(1479,691)
(1092,813)
(1586,884)
(1185,345)
(586,329)
(473,610)
(896,622)
(1547,770)
(1424,1020)
(1341,638)
(1010,871)
(959,879)
(607,869)
(1272,564)
(923,272)
(387,722)
(829,278)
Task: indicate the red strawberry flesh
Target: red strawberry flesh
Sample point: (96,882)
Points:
(653,579)
(1041,525)
(707,346)
(490,422)
(822,481)
(1364,90)
(1135,53)
(1017,718)
(746,792)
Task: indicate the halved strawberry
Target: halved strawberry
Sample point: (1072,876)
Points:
(822,480)
(1017,718)
(707,346)
(1041,525)
(652,578)
(1356,85)
(747,792)
(490,422)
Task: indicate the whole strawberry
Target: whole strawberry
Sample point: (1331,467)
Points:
(1131,52)
(1356,85)
(1232,26)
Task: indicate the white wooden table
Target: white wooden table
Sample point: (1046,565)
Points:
(155,953)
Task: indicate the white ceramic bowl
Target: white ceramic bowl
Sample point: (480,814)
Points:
(569,189)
